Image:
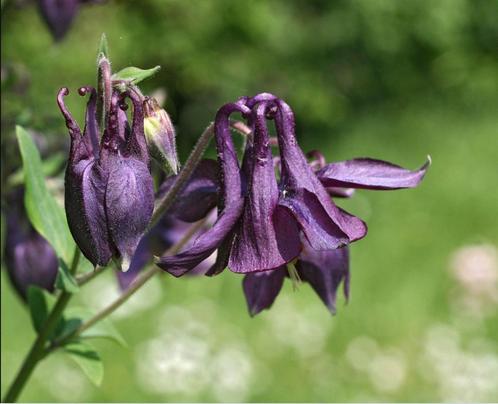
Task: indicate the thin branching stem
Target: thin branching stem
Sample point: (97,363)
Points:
(36,353)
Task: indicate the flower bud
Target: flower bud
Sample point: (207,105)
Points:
(29,258)
(160,136)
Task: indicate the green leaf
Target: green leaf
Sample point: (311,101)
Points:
(50,166)
(65,281)
(103,50)
(38,306)
(134,75)
(88,360)
(46,216)
(103,329)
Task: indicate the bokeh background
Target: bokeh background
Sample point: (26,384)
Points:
(395,80)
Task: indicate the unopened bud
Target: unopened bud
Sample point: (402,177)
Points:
(160,136)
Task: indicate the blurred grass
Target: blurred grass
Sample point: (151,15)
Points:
(365,79)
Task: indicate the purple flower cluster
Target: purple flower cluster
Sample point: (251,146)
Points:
(270,217)
(109,191)
(276,217)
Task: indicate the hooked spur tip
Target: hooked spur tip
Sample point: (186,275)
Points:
(85,90)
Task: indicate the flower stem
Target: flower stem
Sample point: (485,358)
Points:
(135,285)
(36,353)
(193,160)
(181,179)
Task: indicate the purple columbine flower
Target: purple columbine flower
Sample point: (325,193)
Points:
(109,192)
(323,270)
(59,14)
(29,258)
(281,216)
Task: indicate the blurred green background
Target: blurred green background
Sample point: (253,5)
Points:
(395,80)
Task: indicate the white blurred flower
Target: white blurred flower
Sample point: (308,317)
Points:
(299,327)
(387,371)
(104,289)
(232,375)
(170,365)
(190,356)
(65,380)
(360,351)
(475,268)
(460,374)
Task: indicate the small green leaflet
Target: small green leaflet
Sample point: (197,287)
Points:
(46,216)
(103,50)
(65,281)
(38,301)
(103,329)
(134,75)
(40,304)
(88,360)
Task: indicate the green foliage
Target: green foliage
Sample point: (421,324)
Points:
(102,329)
(88,360)
(40,303)
(46,216)
(65,280)
(134,75)
(103,50)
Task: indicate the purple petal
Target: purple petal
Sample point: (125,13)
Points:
(137,145)
(231,206)
(370,174)
(85,183)
(129,202)
(297,177)
(199,195)
(320,230)
(205,244)
(267,237)
(81,148)
(262,288)
(324,271)
(140,259)
(58,14)
(91,132)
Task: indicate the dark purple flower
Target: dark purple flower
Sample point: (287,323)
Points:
(266,236)
(266,233)
(323,270)
(109,193)
(59,14)
(29,258)
(200,194)
(230,205)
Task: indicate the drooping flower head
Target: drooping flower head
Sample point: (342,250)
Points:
(281,215)
(109,193)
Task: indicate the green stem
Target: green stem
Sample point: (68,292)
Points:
(36,353)
(181,179)
(193,160)
(141,280)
